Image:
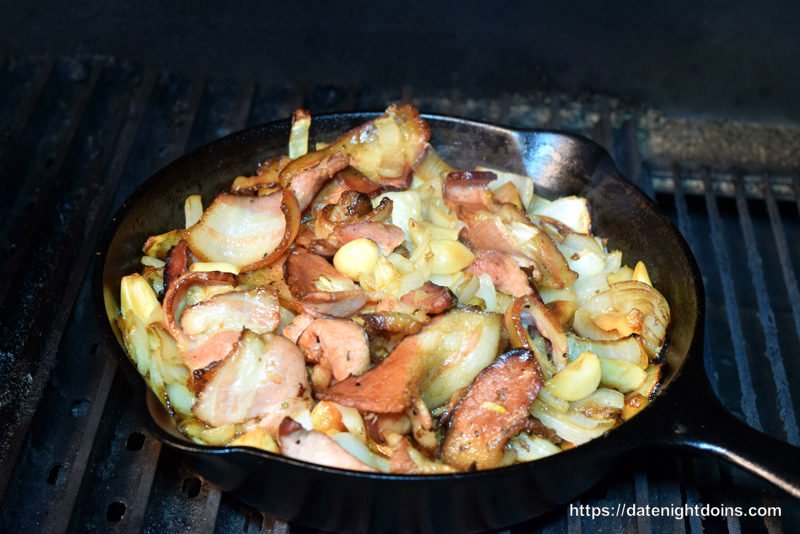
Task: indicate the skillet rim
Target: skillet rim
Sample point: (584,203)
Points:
(616,437)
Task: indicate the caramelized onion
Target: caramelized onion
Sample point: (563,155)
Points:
(544,322)
(177,263)
(267,176)
(355,180)
(177,290)
(384,150)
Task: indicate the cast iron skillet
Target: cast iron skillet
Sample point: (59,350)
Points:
(685,414)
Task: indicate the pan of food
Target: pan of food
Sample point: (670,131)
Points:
(392,321)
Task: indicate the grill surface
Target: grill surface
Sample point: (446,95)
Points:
(78,135)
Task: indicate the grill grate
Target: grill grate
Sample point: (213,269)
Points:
(78,135)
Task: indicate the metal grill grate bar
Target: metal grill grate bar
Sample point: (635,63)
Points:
(23,216)
(772,349)
(782,246)
(24,110)
(75,452)
(748,400)
(116,485)
(24,365)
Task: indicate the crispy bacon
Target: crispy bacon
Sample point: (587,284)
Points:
(384,150)
(175,294)
(255,309)
(307,178)
(446,355)
(351,208)
(267,176)
(354,180)
(390,387)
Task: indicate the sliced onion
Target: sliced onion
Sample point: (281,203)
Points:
(572,211)
(175,294)
(298,138)
(629,349)
(566,427)
(545,324)
(623,307)
(249,232)
(192,210)
(432,167)
(523,184)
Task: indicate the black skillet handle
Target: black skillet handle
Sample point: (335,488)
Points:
(694,419)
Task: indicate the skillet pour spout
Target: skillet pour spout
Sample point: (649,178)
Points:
(685,414)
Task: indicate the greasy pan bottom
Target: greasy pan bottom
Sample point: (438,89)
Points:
(685,413)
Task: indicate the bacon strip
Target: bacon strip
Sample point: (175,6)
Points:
(504,272)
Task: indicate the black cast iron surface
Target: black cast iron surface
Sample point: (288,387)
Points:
(78,136)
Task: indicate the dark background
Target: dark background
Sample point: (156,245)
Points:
(698,59)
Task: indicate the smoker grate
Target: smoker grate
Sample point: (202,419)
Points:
(79,134)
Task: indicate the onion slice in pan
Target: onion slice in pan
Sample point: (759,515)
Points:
(246,231)
(544,322)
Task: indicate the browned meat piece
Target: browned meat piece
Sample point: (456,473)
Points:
(503,270)
(494,409)
(294,329)
(352,207)
(319,288)
(355,180)
(316,447)
(430,298)
(391,323)
(306,175)
(510,232)
(337,344)
(390,387)
(256,309)
(384,150)
(444,356)
(387,236)
(465,188)
(198,351)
